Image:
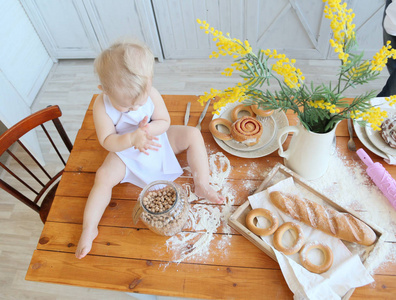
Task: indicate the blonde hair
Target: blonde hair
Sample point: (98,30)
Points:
(125,67)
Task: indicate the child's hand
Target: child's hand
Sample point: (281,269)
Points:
(142,141)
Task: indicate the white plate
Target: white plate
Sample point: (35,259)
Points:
(269,127)
(377,140)
(362,136)
(375,136)
(372,139)
(268,141)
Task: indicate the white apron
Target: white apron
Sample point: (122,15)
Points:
(141,169)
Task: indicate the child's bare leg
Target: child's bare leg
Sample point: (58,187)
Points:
(190,138)
(108,175)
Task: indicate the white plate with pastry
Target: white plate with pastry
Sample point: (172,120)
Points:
(362,136)
(377,140)
(266,143)
(375,137)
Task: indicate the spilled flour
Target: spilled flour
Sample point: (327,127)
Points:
(206,219)
(345,182)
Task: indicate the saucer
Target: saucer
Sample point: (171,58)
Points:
(362,136)
(377,140)
(268,142)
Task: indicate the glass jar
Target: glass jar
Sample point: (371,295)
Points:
(164,207)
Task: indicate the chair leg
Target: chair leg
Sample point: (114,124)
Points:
(47,203)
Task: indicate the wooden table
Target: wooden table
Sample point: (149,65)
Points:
(128,258)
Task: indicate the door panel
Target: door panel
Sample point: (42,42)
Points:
(294,27)
(118,19)
(64,28)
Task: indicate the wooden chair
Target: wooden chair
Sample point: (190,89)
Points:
(41,198)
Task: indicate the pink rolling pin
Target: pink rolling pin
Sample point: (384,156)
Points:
(380,176)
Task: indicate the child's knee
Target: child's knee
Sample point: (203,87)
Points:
(103,176)
(195,134)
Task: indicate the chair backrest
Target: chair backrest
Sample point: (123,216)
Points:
(34,172)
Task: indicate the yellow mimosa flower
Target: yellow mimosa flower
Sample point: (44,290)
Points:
(268,66)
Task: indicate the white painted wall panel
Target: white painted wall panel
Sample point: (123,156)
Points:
(24,65)
(12,110)
(23,59)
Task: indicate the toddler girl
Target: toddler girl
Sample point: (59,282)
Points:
(133,124)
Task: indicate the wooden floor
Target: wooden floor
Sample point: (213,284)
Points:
(71,85)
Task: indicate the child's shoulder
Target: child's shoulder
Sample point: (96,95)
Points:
(154,91)
(99,105)
(99,100)
(155,95)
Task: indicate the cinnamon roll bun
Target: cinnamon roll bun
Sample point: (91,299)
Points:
(247,130)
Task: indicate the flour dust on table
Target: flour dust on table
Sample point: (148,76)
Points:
(206,218)
(342,177)
(347,184)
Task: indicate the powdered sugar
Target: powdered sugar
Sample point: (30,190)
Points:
(347,184)
(220,169)
(206,219)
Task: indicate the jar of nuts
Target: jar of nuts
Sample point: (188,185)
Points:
(164,207)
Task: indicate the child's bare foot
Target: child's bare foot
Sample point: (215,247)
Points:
(85,242)
(207,192)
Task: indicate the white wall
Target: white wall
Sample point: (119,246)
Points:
(24,65)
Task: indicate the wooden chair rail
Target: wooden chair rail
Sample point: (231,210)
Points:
(27,124)
(13,135)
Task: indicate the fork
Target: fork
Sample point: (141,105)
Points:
(351,143)
(203,114)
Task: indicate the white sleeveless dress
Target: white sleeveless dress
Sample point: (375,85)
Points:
(141,169)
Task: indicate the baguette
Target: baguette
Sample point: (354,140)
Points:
(340,225)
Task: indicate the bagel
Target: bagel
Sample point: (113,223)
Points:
(278,244)
(237,109)
(261,212)
(327,262)
(218,134)
(261,112)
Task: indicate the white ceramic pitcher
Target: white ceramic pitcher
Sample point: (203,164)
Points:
(308,153)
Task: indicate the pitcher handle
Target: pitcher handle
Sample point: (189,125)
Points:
(283,131)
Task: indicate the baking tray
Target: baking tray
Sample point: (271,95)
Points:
(278,173)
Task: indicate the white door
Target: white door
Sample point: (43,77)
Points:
(368,21)
(64,27)
(118,19)
(294,27)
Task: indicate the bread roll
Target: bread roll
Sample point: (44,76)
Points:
(341,225)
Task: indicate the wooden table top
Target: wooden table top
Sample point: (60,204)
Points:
(130,258)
